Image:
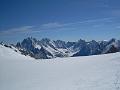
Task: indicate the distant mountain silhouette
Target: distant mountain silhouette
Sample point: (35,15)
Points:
(46,48)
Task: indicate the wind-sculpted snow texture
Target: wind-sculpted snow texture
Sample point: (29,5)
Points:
(19,72)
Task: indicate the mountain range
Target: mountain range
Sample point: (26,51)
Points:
(47,49)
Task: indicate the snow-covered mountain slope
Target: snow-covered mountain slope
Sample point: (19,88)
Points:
(11,53)
(43,49)
(18,72)
(47,49)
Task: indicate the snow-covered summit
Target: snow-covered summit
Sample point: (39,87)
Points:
(46,48)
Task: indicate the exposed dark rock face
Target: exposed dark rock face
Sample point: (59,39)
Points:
(46,48)
(112,49)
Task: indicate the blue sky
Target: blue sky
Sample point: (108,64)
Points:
(67,20)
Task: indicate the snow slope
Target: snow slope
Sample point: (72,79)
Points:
(18,72)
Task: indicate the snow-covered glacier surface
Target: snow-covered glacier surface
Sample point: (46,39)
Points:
(18,72)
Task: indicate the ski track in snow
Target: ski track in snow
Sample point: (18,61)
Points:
(18,72)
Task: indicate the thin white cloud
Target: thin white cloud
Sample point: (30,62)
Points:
(51,26)
(60,25)
(115,12)
(90,21)
(98,25)
(17,30)
(118,27)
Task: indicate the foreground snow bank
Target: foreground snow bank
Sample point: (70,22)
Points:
(18,72)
